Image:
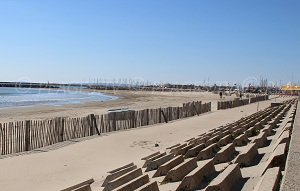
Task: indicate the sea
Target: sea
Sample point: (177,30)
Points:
(28,97)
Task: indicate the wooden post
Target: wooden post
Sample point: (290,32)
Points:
(90,124)
(1,140)
(57,129)
(27,135)
(132,119)
(94,123)
(164,116)
(114,121)
(195,108)
(102,127)
(159,117)
(147,116)
(61,129)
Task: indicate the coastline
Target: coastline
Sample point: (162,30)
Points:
(129,99)
(88,98)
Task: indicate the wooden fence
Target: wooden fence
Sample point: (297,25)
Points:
(28,135)
(259,98)
(240,102)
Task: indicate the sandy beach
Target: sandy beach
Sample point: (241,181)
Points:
(126,99)
(58,169)
(149,95)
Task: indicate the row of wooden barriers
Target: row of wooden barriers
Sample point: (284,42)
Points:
(249,154)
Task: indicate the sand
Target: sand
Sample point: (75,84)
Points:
(57,169)
(131,99)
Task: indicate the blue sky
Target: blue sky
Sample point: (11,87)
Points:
(155,40)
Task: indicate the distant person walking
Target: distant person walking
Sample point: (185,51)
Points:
(221,95)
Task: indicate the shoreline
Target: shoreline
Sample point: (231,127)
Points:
(130,99)
(112,98)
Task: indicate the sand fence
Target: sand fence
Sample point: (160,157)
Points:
(21,136)
(240,102)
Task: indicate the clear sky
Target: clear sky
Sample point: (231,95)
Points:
(155,40)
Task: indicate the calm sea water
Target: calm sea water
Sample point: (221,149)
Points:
(17,97)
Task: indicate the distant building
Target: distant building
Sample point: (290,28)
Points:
(291,90)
